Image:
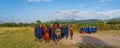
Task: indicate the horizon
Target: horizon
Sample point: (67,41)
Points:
(46,10)
(62,20)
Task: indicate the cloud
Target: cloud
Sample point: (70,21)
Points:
(39,0)
(34,0)
(82,5)
(102,4)
(48,0)
(102,0)
(86,14)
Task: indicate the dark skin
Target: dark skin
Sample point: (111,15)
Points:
(35,29)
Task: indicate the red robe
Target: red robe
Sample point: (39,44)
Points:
(46,36)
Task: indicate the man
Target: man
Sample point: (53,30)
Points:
(49,30)
(94,29)
(38,32)
(71,32)
(53,35)
(46,35)
(62,30)
(66,30)
(82,30)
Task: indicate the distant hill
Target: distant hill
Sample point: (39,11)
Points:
(83,21)
(74,21)
(114,19)
(78,21)
(64,20)
(87,21)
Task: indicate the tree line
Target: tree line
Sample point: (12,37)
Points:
(101,25)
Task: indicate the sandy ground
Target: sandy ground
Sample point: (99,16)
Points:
(94,38)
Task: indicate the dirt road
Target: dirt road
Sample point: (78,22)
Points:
(94,38)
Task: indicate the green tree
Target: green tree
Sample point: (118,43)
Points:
(38,21)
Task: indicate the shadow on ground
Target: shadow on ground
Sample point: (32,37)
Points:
(93,42)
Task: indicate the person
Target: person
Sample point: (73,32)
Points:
(66,31)
(82,30)
(46,35)
(89,29)
(49,30)
(43,31)
(62,30)
(71,32)
(58,31)
(94,29)
(38,32)
(53,35)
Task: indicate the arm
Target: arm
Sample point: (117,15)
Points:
(34,30)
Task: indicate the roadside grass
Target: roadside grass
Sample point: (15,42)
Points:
(110,32)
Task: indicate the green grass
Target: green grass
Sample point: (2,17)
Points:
(16,38)
(20,37)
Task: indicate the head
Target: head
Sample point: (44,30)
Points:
(37,24)
(41,25)
(56,25)
(94,26)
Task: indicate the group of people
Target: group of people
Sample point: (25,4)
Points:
(89,29)
(54,32)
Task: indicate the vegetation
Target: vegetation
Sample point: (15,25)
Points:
(101,25)
(23,37)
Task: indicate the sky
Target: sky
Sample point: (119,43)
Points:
(46,10)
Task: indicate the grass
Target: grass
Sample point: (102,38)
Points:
(16,38)
(110,32)
(23,37)
(20,37)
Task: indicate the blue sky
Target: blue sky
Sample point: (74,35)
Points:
(46,10)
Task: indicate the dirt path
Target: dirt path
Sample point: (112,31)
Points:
(95,38)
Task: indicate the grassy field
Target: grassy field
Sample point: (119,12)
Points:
(20,37)
(23,37)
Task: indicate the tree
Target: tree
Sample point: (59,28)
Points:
(38,21)
(32,24)
(20,24)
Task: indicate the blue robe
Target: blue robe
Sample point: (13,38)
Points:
(94,29)
(62,34)
(66,31)
(82,29)
(38,32)
(54,36)
(88,30)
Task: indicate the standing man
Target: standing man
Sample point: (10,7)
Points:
(71,32)
(82,30)
(62,30)
(38,32)
(66,30)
